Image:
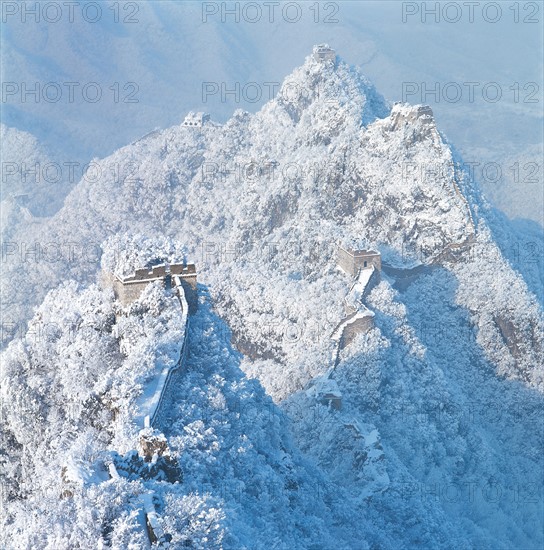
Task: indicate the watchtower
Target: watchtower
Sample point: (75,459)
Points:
(352,260)
(323,52)
(196,120)
(129,288)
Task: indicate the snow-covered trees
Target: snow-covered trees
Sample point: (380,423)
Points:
(260,204)
(70,391)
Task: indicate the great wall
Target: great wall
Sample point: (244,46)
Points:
(181,278)
(152,444)
(363,266)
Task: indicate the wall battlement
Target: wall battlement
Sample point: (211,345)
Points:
(195,120)
(363,265)
(323,52)
(352,260)
(359,321)
(402,114)
(127,289)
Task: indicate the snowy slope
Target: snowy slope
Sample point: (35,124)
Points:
(283,186)
(443,394)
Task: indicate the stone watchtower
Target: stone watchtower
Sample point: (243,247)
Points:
(129,288)
(352,260)
(196,120)
(402,114)
(323,53)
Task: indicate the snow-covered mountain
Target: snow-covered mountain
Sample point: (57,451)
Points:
(32,176)
(215,49)
(148,75)
(439,432)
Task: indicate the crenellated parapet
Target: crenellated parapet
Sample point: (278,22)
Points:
(352,260)
(129,288)
(323,53)
(195,120)
(403,113)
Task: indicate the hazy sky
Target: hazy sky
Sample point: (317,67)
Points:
(479,67)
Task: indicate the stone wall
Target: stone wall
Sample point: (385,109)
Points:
(357,326)
(185,272)
(128,289)
(352,325)
(408,114)
(187,276)
(131,291)
(196,119)
(323,53)
(351,261)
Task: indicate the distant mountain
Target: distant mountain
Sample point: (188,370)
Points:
(33,175)
(320,163)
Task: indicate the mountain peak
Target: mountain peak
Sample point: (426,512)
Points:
(327,89)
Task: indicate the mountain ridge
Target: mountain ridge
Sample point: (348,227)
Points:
(261,204)
(276,177)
